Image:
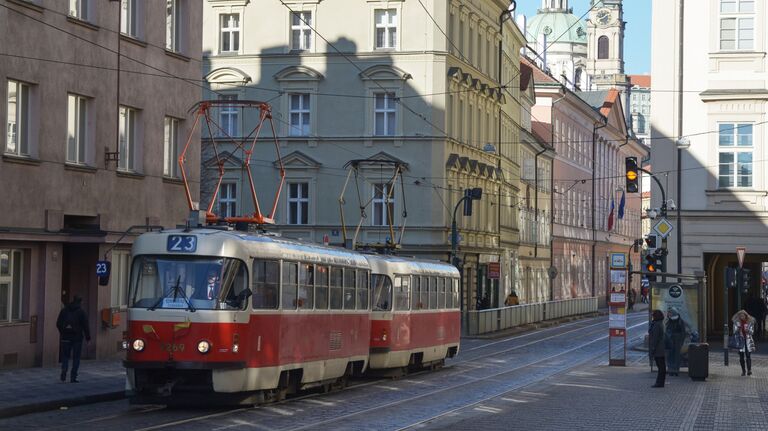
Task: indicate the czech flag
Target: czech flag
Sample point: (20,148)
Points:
(621,205)
(610,216)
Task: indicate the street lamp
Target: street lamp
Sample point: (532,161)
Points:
(470,195)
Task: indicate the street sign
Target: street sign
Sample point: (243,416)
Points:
(663,228)
(618,260)
(740,253)
(494,270)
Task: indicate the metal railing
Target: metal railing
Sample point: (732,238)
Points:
(497,319)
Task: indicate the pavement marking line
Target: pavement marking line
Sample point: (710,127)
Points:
(515,389)
(534,333)
(493,376)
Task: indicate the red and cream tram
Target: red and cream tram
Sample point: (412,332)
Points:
(251,317)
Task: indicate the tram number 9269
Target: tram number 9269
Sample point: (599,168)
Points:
(168,347)
(182,243)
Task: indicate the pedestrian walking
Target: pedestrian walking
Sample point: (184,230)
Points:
(656,347)
(73,325)
(744,328)
(631,299)
(676,331)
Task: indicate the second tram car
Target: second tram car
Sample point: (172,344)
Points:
(252,317)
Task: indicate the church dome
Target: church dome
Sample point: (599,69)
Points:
(557,24)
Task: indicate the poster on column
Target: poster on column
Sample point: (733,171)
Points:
(685,298)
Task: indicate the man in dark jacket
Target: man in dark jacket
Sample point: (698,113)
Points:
(72,324)
(656,347)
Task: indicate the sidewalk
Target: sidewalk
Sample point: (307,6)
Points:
(596,396)
(31,390)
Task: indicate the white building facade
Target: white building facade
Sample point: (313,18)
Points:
(709,134)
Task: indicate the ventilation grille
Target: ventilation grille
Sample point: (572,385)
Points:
(335,340)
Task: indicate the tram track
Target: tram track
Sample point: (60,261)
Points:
(455,370)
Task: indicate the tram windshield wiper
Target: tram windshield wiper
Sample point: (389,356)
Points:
(177,291)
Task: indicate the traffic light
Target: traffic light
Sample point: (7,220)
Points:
(652,242)
(745,280)
(632,177)
(650,266)
(474,194)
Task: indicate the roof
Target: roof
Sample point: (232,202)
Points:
(640,80)
(526,72)
(595,99)
(559,25)
(539,76)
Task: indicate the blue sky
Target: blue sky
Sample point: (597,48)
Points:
(637,39)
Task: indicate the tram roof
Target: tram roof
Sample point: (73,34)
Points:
(401,265)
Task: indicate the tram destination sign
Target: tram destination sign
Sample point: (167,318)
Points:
(181,243)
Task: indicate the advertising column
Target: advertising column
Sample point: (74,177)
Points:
(617,311)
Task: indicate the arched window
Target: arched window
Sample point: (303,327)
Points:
(602,47)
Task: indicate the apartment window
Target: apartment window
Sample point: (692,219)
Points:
(127,149)
(228,200)
(298,203)
(385,114)
(79,9)
(173,25)
(735,142)
(383,204)
(299,115)
(230,32)
(228,117)
(171,147)
(737,24)
(77,120)
(121,261)
(386,28)
(18,113)
(11,264)
(301,30)
(129,17)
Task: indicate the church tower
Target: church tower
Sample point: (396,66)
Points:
(605,45)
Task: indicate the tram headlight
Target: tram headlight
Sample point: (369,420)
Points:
(203,347)
(138,345)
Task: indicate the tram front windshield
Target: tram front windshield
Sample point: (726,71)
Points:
(199,283)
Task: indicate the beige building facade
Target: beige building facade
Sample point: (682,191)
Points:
(72,187)
(412,84)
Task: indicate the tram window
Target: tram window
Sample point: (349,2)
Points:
(289,285)
(306,286)
(382,292)
(321,288)
(448,293)
(349,289)
(415,299)
(402,292)
(432,293)
(456,303)
(424,293)
(362,289)
(266,278)
(441,292)
(337,298)
(234,284)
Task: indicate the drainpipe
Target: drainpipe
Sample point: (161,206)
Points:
(552,195)
(679,135)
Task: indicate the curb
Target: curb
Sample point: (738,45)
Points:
(8,412)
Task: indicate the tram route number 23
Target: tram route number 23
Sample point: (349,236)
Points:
(182,243)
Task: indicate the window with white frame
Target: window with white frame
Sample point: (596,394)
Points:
(385,114)
(228,200)
(301,31)
(737,24)
(18,115)
(383,204)
(79,9)
(173,24)
(230,32)
(386,28)
(77,129)
(298,203)
(229,117)
(735,149)
(171,147)
(128,141)
(129,17)
(11,292)
(299,115)
(121,265)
